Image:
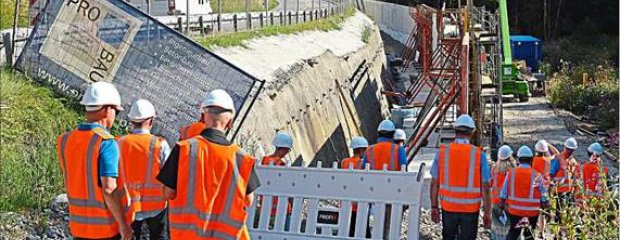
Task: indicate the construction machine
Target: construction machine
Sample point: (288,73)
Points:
(511,82)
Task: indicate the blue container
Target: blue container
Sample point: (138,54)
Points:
(528,48)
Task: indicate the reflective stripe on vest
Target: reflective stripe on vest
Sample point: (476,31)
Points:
(462,202)
(208,217)
(372,160)
(529,205)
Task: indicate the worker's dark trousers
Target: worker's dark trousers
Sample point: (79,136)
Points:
(563,201)
(156,225)
(515,227)
(459,226)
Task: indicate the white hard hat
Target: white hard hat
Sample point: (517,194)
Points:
(570,143)
(596,148)
(387,126)
(504,152)
(359,142)
(100,94)
(525,151)
(282,139)
(465,122)
(541,146)
(400,135)
(141,110)
(218,98)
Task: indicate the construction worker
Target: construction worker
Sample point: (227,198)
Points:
(542,160)
(498,175)
(460,180)
(359,145)
(283,142)
(562,168)
(525,194)
(142,155)
(592,175)
(400,137)
(209,163)
(195,128)
(89,160)
(385,152)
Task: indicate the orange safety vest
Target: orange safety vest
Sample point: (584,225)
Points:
(459,177)
(498,183)
(140,160)
(523,196)
(211,191)
(541,165)
(78,153)
(383,153)
(591,175)
(268,160)
(563,177)
(352,162)
(192,130)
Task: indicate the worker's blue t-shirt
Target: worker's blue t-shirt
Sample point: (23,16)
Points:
(485,170)
(108,152)
(402,155)
(555,166)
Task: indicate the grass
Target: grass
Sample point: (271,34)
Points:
(233,6)
(31,118)
(238,38)
(7,13)
(366,34)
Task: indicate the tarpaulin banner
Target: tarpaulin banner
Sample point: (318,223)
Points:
(78,42)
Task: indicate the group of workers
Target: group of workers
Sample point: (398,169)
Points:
(511,193)
(200,188)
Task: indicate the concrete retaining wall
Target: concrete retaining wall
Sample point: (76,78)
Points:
(392,19)
(312,97)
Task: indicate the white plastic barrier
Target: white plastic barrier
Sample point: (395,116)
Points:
(309,189)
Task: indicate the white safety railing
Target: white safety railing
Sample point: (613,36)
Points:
(322,200)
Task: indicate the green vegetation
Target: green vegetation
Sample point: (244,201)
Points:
(568,91)
(237,39)
(32,117)
(233,6)
(7,13)
(366,34)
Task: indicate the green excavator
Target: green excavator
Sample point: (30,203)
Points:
(511,83)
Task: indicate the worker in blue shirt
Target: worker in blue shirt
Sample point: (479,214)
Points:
(385,152)
(460,182)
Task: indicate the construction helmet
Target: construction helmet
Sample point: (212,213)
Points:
(570,143)
(400,134)
(359,142)
(541,146)
(100,94)
(525,151)
(218,98)
(596,148)
(141,110)
(465,123)
(387,126)
(504,152)
(282,140)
